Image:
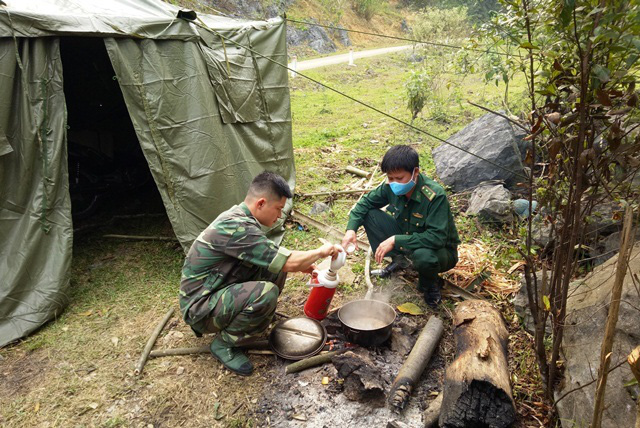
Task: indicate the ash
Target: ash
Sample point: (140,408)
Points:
(301,400)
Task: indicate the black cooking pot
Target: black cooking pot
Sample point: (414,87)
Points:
(367,322)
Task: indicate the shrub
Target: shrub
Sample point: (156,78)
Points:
(366,8)
(434,24)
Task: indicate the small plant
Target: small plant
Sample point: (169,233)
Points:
(417,92)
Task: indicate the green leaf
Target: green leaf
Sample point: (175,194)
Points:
(601,72)
(547,303)
(631,383)
(410,308)
(528,45)
(567,12)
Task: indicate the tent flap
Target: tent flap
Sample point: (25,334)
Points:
(35,216)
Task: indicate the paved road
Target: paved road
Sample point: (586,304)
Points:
(337,59)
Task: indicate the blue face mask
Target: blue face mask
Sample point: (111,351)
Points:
(403,188)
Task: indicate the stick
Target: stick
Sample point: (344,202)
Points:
(431,415)
(367,275)
(151,342)
(373,174)
(334,192)
(179,351)
(357,171)
(317,360)
(612,317)
(141,238)
(306,220)
(467,295)
(634,362)
(416,362)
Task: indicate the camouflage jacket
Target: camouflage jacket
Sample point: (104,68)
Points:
(231,250)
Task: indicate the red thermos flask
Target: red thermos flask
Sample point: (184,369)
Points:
(320,297)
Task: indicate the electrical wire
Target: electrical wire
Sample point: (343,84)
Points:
(444,45)
(415,128)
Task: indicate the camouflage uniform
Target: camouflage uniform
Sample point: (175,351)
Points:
(228,277)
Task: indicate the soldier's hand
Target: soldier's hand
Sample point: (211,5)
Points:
(350,239)
(384,247)
(310,269)
(330,250)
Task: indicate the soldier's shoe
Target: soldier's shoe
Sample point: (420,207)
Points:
(432,296)
(231,357)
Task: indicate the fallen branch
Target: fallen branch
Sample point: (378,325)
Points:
(612,316)
(467,295)
(373,174)
(141,238)
(316,360)
(334,192)
(151,342)
(308,221)
(415,364)
(204,349)
(357,171)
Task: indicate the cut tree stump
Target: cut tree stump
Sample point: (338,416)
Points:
(477,391)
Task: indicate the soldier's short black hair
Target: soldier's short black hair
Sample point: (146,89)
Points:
(271,185)
(400,158)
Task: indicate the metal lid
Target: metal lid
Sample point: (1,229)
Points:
(297,338)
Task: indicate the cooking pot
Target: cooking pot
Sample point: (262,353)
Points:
(367,322)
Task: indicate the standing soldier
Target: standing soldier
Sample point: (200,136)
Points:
(418,222)
(228,276)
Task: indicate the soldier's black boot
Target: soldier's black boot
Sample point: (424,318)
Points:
(431,291)
(231,357)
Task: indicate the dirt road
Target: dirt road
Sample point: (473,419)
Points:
(338,59)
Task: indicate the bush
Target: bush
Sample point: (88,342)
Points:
(434,24)
(366,8)
(417,92)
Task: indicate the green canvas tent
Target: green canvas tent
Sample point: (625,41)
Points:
(208,116)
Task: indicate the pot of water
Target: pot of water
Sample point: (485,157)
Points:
(367,322)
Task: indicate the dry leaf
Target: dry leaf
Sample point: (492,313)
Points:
(86,314)
(325,380)
(115,341)
(299,418)
(37,408)
(410,308)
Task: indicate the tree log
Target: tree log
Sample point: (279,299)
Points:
(477,391)
(357,171)
(415,364)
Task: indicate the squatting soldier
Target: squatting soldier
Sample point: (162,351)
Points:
(228,276)
(418,222)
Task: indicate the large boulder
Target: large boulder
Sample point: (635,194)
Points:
(491,137)
(491,202)
(587,309)
(316,37)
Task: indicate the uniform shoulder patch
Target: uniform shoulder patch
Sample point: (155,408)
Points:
(428,192)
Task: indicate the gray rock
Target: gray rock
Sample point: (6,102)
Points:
(319,208)
(491,137)
(586,315)
(342,36)
(602,221)
(521,306)
(491,203)
(609,246)
(315,37)
(540,231)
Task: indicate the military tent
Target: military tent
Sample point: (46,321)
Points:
(208,115)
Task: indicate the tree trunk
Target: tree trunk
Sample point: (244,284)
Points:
(477,391)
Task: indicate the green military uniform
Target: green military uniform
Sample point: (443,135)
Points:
(422,224)
(228,277)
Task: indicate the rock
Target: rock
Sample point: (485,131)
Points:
(315,37)
(602,220)
(491,137)
(521,306)
(319,208)
(586,315)
(540,231)
(491,203)
(608,247)
(342,36)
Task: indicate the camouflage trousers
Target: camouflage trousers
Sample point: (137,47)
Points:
(242,311)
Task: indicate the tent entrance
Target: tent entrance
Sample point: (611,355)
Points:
(108,173)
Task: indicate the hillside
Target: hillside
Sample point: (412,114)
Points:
(378,16)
